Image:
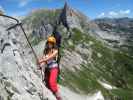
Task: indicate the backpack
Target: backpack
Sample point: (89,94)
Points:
(58,38)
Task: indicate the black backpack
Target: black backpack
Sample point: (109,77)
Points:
(58,38)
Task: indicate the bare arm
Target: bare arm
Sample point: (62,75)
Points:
(54,54)
(46,58)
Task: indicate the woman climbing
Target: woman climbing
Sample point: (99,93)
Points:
(52,68)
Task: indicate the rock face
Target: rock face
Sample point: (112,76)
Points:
(19,78)
(43,31)
(72,59)
(44,22)
(118,32)
(69,17)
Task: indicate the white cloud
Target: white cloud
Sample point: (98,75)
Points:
(115,14)
(19,13)
(23,3)
(1,8)
(101,15)
(125,11)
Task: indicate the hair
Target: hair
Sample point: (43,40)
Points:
(46,49)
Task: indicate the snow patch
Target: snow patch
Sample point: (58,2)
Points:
(96,96)
(106,86)
(67,94)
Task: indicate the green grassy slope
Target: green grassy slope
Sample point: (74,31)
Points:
(113,66)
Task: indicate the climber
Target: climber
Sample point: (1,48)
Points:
(52,68)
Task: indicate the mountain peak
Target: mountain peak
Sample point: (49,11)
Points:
(69,17)
(67,9)
(66,6)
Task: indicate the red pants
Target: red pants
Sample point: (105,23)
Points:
(51,79)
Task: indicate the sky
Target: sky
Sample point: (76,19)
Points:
(92,8)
